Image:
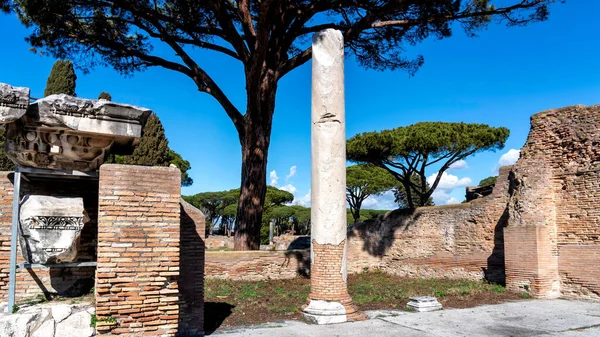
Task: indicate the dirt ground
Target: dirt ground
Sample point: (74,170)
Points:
(240,303)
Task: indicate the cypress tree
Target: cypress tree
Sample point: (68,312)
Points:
(5,163)
(105,95)
(61,79)
(153,148)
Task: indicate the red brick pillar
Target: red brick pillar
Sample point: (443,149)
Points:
(138,250)
(530,243)
(6,200)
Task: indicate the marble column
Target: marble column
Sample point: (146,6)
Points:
(328,300)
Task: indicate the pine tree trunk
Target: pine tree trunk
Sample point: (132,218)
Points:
(255,148)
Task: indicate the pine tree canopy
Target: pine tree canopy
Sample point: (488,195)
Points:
(410,150)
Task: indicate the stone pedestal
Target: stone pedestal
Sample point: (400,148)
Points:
(328,301)
(424,303)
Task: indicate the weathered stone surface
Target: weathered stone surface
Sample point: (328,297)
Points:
(42,321)
(325,312)
(64,132)
(13,102)
(61,311)
(328,141)
(424,303)
(50,228)
(76,325)
(98,117)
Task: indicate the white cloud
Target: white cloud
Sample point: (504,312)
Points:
(448,181)
(384,201)
(289,187)
(292,173)
(303,201)
(459,165)
(442,197)
(509,157)
(274,178)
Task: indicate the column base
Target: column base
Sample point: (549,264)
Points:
(325,312)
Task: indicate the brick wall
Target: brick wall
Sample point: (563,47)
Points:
(138,272)
(61,281)
(191,278)
(458,241)
(554,207)
(257,265)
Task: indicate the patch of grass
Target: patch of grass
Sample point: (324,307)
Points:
(497,288)
(94,320)
(15,308)
(282,309)
(247,302)
(525,296)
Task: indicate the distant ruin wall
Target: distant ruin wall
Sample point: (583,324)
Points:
(457,241)
(257,265)
(553,233)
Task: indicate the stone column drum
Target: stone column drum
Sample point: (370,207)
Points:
(328,300)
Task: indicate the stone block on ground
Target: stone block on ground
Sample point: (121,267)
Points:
(424,303)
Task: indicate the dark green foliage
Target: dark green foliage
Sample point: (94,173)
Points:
(153,150)
(401,197)
(5,163)
(365,214)
(363,181)
(153,147)
(488,181)
(62,79)
(408,151)
(105,95)
(220,208)
(184,165)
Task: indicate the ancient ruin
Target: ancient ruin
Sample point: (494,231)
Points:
(50,228)
(64,132)
(328,301)
(123,232)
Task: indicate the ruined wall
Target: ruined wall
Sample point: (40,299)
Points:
(61,281)
(457,241)
(257,265)
(552,238)
(191,281)
(138,272)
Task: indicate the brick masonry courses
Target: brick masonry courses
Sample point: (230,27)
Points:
(458,241)
(140,280)
(553,233)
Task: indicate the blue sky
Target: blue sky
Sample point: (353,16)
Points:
(500,78)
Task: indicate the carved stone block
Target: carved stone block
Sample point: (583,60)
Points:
(50,228)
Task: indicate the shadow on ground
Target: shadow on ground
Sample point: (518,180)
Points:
(214,315)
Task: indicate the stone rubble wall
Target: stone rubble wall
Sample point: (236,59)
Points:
(553,233)
(48,320)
